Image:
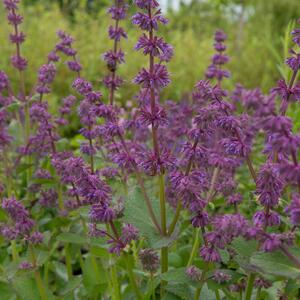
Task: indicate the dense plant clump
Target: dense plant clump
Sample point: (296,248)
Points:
(191,199)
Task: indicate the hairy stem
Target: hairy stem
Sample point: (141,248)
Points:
(68,261)
(37,275)
(132,278)
(258,293)
(249,287)
(195,247)
(164,250)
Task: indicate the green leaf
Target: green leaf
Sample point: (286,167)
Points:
(73,238)
(275,263)
(23,167)
(175,275)
(42,257)
(73,284)
(6,291)
(26,288)
(207,294)
(90,279)
(175,260)
(183,291)
(244,249)
(99,252)
(170,296)
(61,270)
(178,275)
(136,214)
(13,107)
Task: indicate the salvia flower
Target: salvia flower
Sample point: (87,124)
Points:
(215,70)
(269,185)
(210,254)
(22,224)
(294,210)
(221,277)
(4,82)
(262,283)
(149,260)
(193,273)
(157,79)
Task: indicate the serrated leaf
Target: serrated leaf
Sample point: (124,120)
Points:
(175,275)
(26,288)
(244,249)
(275,263)
(183,291)
(134,214)
(206,293)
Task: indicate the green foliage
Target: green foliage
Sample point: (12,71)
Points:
(275,263)
(135,214)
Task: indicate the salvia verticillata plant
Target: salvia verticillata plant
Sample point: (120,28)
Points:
(197,198)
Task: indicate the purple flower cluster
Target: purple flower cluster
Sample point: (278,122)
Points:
(215,70)
(115,56)
(17,37)
(20,225)
(152,80)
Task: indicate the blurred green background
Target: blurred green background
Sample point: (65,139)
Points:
(258,40)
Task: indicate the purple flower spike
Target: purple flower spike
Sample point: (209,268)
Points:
(4,82)
(210,254)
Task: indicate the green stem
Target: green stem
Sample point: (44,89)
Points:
(115,283)
(175,219)
(80,259)
(60,196)
(195,247)
(46,273)
(26,138)
(258,294)
(7,174)
(218,297)
(249,286)
(14,250)
(152,287)
(162,201)
(132,278)
(197,293)
(37,275)
(164,250)
(227,294)
(68,261)
(95,267)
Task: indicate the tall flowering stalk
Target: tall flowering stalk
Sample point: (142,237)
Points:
(115,56)
(152,80)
